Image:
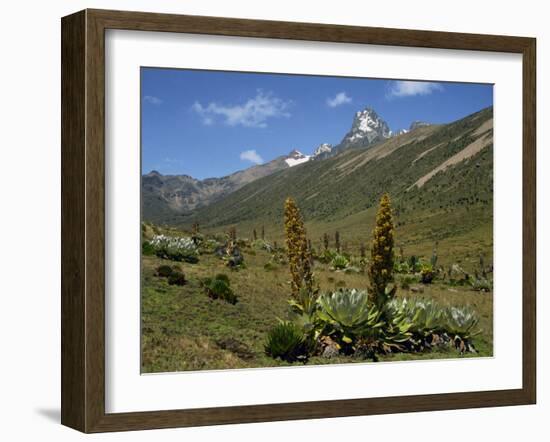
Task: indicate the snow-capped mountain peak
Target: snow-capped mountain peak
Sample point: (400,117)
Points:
(296,157)
(369,121)
(366,129)
(324,148)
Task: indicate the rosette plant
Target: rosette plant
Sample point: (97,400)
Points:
(348,314)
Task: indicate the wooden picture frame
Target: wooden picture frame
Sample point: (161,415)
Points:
(83,220)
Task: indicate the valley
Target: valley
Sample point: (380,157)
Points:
(215,278)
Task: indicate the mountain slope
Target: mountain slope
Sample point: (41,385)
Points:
(166,195)
(352,181)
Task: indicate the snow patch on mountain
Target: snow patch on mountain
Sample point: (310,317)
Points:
(400,132)
(324,148)
(296,157)
(294,162)
(366,129)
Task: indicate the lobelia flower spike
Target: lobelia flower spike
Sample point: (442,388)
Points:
(297,250)
(381,264)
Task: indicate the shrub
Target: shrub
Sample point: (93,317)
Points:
(414,264)
(261,244)
(209,246)
(222,277)
(177,255)
(197,238)
(286,341)
(232,255)
(175,248)
(147,248)
(406,281)
(481,285)
(457,275)
(401,267)
(235,261)
(164,271)
(176,278)
(427,274)
(326,256)
(339,262)
(219,288)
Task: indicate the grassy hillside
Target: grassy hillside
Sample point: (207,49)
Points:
(452,208)
(182,329)
(440,182)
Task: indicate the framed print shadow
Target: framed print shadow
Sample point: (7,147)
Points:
(267,221)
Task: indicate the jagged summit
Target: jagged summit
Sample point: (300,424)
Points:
(322,148)
(167,196)
(366,129)
(322,151)
(296,157)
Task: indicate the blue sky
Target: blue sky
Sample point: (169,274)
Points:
(211,123)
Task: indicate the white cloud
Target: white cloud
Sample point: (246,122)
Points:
(411,88)
(252,156)
(152,100)
(253,113)
(338,100)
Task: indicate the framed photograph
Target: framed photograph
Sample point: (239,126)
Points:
(268,220)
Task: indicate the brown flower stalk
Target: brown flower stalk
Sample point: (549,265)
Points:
(381,264)
(297,250)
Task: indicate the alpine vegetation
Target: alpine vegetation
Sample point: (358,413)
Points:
(329,230)
(371,323)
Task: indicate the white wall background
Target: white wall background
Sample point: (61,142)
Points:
(30,217)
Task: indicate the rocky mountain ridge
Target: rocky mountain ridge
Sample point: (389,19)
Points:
(163,195)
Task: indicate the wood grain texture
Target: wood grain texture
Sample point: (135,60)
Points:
(529,220)
(73,253)
(83,219)
(145,21)
(95,222)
